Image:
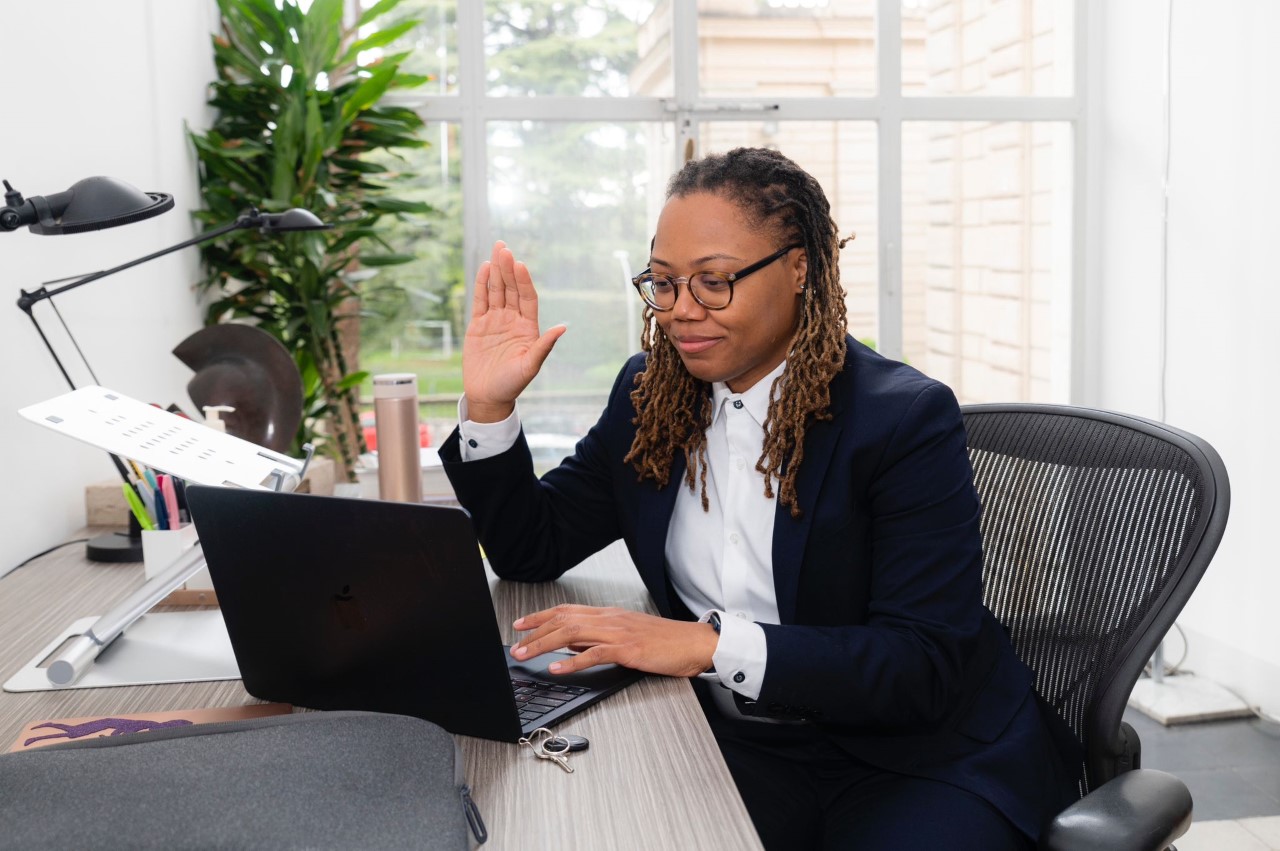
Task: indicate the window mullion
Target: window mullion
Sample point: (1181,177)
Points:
(475,154)
(684,65)
(889,190)
(1081,373)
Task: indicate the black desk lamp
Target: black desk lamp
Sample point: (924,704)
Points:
(96,203)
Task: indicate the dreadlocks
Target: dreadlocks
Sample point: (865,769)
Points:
(673,409)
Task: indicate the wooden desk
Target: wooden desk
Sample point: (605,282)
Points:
(652,778)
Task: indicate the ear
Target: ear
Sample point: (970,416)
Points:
(800,269)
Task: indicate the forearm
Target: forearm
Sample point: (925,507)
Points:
(531,529)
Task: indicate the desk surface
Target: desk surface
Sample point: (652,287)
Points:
(653,777)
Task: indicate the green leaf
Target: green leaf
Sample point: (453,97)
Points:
(355,379)
(409,81)
(367,93)
(399,205)
(377,9)
(387,259)
(378,39)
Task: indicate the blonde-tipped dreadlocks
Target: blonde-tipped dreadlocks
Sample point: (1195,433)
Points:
(674,408)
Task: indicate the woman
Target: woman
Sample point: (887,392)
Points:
(803,514)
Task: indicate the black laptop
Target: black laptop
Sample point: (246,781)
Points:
(335,603)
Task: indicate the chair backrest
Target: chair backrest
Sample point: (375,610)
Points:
(1096,528)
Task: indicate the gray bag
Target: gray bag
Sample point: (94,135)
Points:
(308,780)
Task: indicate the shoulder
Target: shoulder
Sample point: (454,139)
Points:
(633,367)
(872,384)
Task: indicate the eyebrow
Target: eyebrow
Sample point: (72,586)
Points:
(657,261)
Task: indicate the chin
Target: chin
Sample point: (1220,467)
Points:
(704,371)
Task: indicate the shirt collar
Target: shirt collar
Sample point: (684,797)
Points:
(755,400)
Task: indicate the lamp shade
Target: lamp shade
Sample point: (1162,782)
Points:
(96,203)
(247,369)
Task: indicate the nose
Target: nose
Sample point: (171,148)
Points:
(687,307)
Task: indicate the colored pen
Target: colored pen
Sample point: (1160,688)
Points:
(151,479)
(180,487)
(162,512)
(170,501)
(135,505)
(148,499)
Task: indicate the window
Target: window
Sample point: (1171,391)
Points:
(947,134)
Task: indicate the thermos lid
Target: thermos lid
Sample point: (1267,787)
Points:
(395,385)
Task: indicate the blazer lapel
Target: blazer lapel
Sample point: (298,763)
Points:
(654,506)
(790,535)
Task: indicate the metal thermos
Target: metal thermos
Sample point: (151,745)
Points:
(395,411)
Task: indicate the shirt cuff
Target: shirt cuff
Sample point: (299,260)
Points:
(740,656)
(485,440)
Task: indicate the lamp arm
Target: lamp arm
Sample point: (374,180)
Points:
(28,299)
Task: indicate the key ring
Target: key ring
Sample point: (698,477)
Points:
(538,741)
(538,744)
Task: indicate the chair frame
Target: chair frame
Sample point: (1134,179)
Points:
(1112,747)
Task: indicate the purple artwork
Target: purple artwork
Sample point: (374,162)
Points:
(117,726)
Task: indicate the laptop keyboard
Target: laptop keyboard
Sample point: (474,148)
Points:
(535,698)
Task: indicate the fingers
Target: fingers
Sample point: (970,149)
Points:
(565,625)
(525,295)
(511,290)
(480,292)
(598,654)
(541,349)
(495,289)
(504,282)
(627,638)
(537,619)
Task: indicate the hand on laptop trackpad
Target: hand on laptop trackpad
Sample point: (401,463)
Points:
(599,675)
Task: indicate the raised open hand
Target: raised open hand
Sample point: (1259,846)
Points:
(503,349)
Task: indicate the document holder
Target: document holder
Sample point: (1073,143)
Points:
(180,447)
(164,441)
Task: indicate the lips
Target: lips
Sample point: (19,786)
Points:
(692,345)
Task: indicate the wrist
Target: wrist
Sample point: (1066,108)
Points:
(713,621)
(488,412)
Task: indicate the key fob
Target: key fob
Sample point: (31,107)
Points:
(562,743)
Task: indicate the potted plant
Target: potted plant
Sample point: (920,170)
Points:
(302,122)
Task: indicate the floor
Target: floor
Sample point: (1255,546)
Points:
(1233,771)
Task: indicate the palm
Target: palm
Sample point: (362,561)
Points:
(497,355)
(503,350)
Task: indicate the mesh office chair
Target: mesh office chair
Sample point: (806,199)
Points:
(1096,528)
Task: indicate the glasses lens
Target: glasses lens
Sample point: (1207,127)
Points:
(659,292)
(713,289)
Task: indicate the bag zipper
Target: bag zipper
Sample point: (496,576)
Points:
(472,814)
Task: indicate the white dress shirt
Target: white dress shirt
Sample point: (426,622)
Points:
(721,559)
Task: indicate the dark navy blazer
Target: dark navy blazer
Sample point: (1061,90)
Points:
(884,641)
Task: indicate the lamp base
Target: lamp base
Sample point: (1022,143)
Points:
(117,547)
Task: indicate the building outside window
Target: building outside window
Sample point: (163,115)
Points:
(946,133)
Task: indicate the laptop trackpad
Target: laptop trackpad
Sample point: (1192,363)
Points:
(601,677)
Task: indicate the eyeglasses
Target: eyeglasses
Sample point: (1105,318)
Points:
(712,290)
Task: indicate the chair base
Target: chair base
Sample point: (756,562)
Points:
(1184,699)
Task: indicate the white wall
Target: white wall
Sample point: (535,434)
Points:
(94,88)
(1224,287)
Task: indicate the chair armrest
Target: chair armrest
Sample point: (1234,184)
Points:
(1140,810)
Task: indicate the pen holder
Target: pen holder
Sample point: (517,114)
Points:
(162,547)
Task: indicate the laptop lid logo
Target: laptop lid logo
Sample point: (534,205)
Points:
(348,611)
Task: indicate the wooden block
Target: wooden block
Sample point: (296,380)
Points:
(320,476)
(104,504)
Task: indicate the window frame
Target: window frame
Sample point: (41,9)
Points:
(472,108)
